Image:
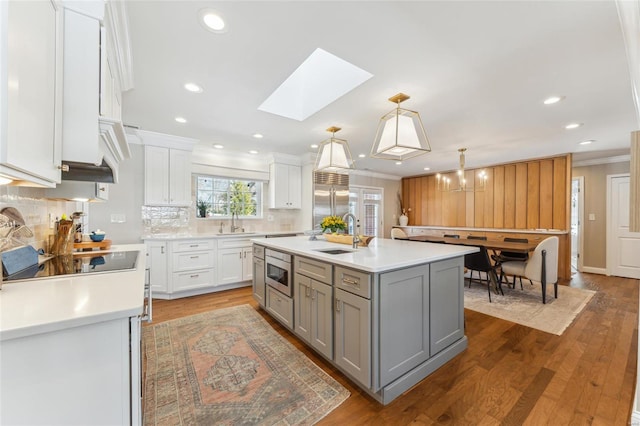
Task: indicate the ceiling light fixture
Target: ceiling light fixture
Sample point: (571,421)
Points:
(253,151)
(218,146)
(427,168)
(192,87)
(212,21)
(587,142)
(181,120)
(572,126)
(443,183)
(334,154)
(362,155)
(400,134)
(257,136)
(314,146)
(553,100)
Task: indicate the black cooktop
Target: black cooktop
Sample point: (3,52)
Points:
(79,263)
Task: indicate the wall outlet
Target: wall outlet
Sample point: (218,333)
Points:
(52,221)
(118,218)
(592,216)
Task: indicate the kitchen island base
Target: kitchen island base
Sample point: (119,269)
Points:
(387,326)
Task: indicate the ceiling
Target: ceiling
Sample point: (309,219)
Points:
(477,72)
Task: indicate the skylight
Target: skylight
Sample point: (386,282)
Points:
(318,81)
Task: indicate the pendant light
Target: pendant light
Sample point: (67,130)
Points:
(400,134)
(333,154)
(443,183)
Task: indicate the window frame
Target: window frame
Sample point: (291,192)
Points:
(259,196)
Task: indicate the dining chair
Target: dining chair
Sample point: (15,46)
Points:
(480,262)
(542,266)
(506,256)
(397,233)
(475,237)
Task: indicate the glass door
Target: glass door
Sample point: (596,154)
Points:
(366,204)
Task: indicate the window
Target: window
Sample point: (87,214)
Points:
(221,197)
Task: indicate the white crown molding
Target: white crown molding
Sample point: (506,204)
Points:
(118,24)
(629,15)
(605,160)
(374,174)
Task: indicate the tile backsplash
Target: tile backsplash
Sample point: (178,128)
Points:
(36,211)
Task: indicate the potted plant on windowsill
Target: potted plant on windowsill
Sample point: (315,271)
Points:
(202,207)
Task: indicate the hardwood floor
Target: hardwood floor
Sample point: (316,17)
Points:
(509,374)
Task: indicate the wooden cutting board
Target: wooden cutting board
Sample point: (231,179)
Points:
(90,245)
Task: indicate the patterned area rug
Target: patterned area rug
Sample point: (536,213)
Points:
(525,306)
(229,367)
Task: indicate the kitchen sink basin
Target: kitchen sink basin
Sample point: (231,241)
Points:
(335,251)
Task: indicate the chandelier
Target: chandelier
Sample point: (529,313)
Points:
(333,154)
(443,183)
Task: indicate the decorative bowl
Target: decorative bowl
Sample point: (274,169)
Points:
(96,237)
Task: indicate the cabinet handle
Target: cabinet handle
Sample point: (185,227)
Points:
(195,276)
(162,250)
(313,293)
(240,255)
(245,254)
(194,245)
(307,291)
(348,281)
(337,305)
(194,257)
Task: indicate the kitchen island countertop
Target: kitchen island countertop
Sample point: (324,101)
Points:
(30,307)
(381,255)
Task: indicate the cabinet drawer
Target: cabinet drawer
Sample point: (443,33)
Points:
(192,245)
(193,260)
(313,269)
(355,282)
(193,279)
(234,242)
(258,251)
(280,306)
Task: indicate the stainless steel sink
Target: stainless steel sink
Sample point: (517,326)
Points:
(335,251)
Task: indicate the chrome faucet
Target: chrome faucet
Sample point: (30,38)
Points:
(234,216)
(221,230)
(356,229)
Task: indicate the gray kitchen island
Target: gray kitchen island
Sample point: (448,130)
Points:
(386,315)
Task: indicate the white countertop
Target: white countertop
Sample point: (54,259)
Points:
(44,305)
(216,235)
(381,255)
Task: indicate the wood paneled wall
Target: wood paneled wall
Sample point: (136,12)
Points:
(532,194)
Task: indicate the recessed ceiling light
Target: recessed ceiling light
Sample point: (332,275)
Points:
(398,163)
(587,142)
(218,146)
(192,87)
(427,168)
(257,136)
(553,100)
(213,21)
(181,120)
(362,155)
(572,126)
(253,151)
(314,146)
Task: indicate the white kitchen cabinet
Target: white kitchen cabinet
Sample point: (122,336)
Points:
(167,179)
(235,264)
(285,187)
(259,284)
(157,263)
(31,54)
(193,265)
(83,375)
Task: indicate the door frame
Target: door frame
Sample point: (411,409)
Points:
(580,247)
(381,224)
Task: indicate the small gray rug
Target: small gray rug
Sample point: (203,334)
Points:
(525,306)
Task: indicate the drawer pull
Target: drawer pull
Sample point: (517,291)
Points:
(337,305)
(348,281)
(313,292)
(194,257)
(195,276)
(194,245)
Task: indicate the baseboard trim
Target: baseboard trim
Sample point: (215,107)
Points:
(591,270)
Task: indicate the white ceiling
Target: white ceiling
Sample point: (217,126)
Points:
(477,72)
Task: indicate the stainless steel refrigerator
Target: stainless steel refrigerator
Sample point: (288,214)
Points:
(330,196)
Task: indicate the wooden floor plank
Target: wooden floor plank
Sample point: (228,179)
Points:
(509,374)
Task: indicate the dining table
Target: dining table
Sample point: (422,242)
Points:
(494,245)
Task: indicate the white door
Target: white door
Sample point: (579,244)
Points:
(577,217)
(623,246)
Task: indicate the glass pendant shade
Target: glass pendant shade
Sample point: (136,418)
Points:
(333,154)
(400,134)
